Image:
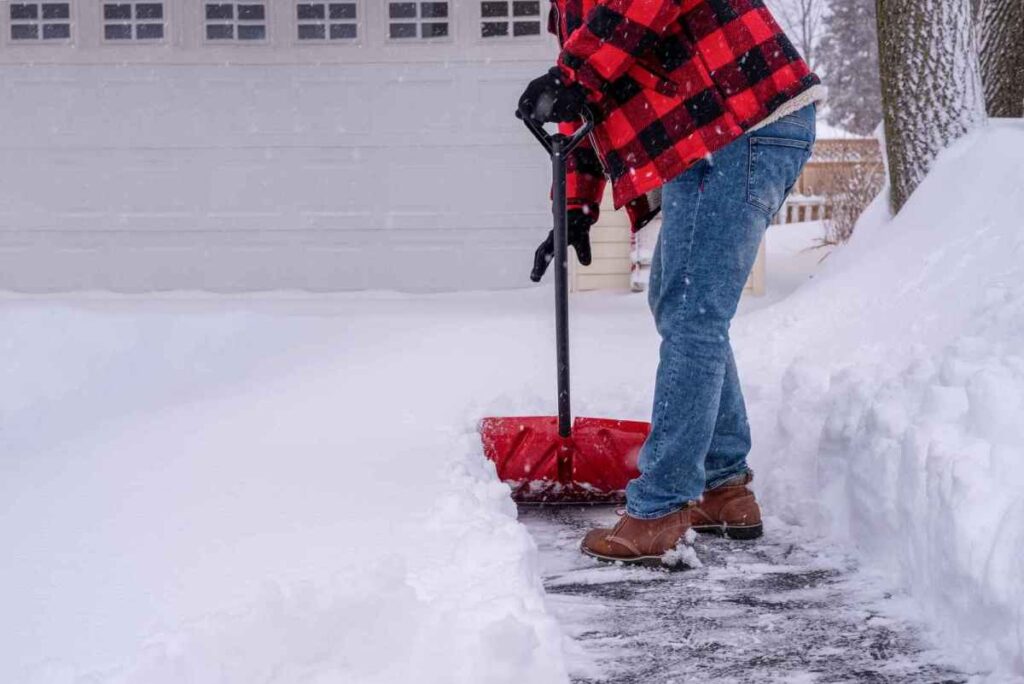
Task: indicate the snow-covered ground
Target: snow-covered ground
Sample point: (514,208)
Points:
(794,255)
(216,491)
(289,488)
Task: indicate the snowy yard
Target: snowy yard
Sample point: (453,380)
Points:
(289,488)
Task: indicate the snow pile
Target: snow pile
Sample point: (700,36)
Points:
(888,397)
(255,498)
(683,553)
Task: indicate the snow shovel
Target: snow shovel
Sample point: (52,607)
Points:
(552,459)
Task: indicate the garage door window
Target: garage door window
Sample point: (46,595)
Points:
(35,21)
(418,20)
(236,21)
(504,18)
(133,21)
(326,21)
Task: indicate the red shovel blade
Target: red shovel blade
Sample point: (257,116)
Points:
(594,465)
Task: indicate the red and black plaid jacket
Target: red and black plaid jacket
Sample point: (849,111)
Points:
(670,81)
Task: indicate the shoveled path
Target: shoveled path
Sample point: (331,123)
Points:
(774,610)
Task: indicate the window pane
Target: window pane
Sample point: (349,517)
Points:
(343,10)
(24,11)
(526,28)
(220,32)
(402,10)
(402,30)
(56,10)
(492,29)
(252,32)
(343,31)
(56,31)
(494,9)
(24,32)
(251,12)
(117,31)
(433,9)
(525,8)
(435,30)
(219,11)
(149,31)
(312,32)
(308,10)
(149,10)
(111,11)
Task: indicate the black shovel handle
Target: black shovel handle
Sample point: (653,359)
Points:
(559,146)
(568,142)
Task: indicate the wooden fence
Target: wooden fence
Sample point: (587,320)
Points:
(621,260)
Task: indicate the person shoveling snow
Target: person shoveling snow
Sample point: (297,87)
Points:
(710,104)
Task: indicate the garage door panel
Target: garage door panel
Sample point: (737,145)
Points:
(420,106)
(495,98)
(420,188)
(334,110)
(411,176)
(43,109)
(476,186)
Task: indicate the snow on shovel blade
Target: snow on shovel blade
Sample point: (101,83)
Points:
(591,466)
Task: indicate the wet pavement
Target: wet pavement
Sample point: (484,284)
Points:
(779,609)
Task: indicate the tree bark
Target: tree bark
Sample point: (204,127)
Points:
(931,84)
(1001,38)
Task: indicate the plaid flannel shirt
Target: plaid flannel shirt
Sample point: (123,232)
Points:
(670,82)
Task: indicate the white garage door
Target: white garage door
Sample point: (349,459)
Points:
(279,145)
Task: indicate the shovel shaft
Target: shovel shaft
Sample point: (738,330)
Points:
(559,146)
(561,232)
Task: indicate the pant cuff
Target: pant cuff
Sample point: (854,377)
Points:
(661,513)
(721,480)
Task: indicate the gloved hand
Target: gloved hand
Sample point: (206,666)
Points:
(551,98)
(579,239)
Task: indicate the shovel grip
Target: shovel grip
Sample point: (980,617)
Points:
(569,142)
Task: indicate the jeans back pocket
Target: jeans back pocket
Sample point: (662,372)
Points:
(774,166)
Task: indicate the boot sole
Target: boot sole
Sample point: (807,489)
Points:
(740,532)
(653,562)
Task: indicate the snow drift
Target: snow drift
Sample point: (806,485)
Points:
(248,497)
(888,397)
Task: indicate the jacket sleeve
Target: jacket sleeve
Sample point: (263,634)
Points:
(614,33)
(585,180)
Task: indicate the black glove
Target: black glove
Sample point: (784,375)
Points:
(579,239)
(550,98)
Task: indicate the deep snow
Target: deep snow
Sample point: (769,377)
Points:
(288,489)
(888,398)
(193,495)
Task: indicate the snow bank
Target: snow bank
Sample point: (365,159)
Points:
(888,397)
(247,497)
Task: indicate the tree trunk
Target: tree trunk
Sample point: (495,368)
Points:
(931,84)
(1001,38)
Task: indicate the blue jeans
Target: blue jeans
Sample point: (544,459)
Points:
(715,216)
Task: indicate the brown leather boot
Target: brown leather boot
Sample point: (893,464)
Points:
(729,509)
(640,542)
